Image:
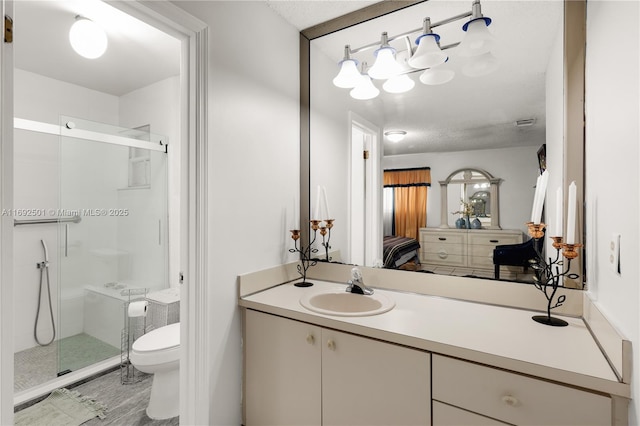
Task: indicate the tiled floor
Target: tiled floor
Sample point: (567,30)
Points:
(40,364)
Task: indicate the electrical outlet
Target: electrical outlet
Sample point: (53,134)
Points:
(614,253)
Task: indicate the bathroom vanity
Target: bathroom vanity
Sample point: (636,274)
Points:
(429,360)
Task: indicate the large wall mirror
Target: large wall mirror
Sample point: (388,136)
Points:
(495,121)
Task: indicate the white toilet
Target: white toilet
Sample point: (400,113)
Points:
(158,353)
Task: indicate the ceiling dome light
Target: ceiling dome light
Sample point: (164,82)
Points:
(87,38)
(395,135)
(349,76)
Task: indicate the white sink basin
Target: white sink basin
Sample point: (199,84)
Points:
(347,304)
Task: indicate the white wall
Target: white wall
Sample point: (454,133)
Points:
(612,173)
(253,130)
(516,166)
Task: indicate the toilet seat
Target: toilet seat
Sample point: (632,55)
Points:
(159,346)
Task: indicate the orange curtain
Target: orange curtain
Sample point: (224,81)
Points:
(410,204)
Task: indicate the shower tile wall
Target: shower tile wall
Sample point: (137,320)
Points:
(36,186)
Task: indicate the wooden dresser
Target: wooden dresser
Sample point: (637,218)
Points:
(464,248)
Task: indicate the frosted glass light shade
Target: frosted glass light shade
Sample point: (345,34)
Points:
(477,39)
(399,84)
(437,75)
(395,135)
(365,89)
(87,38)
(385,65)
(480,65)
(428,53)
(349,76)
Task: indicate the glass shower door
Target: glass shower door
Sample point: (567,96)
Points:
(112,234)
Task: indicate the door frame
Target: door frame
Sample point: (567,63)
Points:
(194,329)
(372,192)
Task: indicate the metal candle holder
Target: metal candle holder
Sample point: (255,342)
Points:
(325,231)
(306,254)
(549,273)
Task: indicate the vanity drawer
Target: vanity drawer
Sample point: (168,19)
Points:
(443,238)
(447,415)
(494,239)
(444,258)
(514,398)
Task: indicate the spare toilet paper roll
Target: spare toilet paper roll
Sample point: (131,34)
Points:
(138,309)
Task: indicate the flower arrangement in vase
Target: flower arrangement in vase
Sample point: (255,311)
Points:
(466,210)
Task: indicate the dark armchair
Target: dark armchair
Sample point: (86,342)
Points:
(516,254)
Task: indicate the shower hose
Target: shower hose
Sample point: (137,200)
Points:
(44,270)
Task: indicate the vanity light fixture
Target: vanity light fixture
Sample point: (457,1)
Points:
(87,38)
(428,56)
(385,65)
(364,89)
(398,84)
(349,76)
(477,40)
(395,136)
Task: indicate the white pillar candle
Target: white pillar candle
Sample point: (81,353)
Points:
(316,211)
(544,179)
(571,214)
(559,210)
(535,200)
(327,215)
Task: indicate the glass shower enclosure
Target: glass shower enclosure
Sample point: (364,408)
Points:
(102,201)
(113,247)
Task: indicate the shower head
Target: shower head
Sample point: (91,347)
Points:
(46,251)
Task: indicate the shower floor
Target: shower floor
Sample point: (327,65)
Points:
(39,364)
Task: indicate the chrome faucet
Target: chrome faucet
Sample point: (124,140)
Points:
(356,283)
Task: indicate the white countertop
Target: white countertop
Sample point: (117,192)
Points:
(492,335)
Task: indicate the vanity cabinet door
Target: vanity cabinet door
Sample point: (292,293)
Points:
(368,382)
(282,371)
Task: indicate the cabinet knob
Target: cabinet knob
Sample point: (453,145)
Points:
(510,400)
(310,339)
(331,344)
(442,254)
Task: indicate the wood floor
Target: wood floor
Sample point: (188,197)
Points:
(126,404)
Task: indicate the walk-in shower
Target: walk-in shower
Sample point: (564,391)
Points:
(91,228)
